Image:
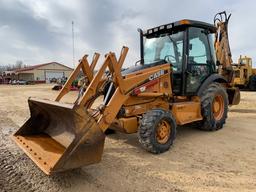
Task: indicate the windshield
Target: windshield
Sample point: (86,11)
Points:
(165,47)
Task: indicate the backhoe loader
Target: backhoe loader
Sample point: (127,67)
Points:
(245,74)
(184,76)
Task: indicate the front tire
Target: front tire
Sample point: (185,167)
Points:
(157,131)
(214,106)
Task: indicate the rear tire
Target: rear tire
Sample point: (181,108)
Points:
(252,83)
(157,131)
(214,106)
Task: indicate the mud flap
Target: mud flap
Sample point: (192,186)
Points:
(58,137)
(233,95)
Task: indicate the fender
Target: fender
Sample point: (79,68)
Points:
(212,78)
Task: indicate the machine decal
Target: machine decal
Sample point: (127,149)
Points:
(144,87)
(156,75)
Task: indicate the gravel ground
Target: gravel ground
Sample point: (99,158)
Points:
(198,161)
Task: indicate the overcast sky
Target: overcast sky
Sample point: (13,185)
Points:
(39,31)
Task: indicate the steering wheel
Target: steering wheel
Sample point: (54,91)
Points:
(170,59)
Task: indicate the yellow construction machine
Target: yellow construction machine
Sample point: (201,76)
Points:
(245,74)
(184,76)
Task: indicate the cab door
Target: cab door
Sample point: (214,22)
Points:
(200,62)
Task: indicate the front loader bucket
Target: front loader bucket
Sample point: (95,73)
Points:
(58,137)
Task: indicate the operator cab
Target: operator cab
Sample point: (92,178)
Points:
(188,46)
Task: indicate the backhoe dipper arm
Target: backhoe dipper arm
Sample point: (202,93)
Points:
(222,47)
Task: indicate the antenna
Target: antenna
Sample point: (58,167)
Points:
(73,41)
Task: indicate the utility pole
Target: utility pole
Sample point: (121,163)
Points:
(73,42)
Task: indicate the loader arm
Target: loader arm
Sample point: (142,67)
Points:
(124,87)
(87,70)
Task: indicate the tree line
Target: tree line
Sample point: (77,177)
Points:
(10,67)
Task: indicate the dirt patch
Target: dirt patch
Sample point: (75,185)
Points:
(198,161)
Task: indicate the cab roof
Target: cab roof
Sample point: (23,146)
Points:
(177,26)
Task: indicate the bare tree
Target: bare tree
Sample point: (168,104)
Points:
(9,67)
(19,64)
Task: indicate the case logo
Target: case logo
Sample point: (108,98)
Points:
(156,75)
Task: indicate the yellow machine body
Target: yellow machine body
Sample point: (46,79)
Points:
(60,136)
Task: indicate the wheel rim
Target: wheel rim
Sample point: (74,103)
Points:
(163,132)
(218,107)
